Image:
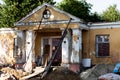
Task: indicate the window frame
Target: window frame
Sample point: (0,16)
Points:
(102,42)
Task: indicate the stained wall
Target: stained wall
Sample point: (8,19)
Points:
(89,45)
(7,36)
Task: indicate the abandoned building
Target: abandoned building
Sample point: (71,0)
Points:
(36,37)
(43,41)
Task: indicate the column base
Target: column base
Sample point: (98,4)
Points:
(75,67)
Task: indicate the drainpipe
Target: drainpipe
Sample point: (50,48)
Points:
(89,25)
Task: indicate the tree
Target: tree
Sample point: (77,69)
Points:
(95,17)
(13,10)
(111,14)
(80,9)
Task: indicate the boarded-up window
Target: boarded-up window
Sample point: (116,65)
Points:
(102,45)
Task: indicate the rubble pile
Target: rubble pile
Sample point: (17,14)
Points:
(59,73)
(7,77)
(96,71)
(109,76)
(8,72)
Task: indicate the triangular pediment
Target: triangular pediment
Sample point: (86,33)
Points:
(56,16)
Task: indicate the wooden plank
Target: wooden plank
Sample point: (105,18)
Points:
(36,72)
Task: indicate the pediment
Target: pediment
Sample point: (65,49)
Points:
(56,16)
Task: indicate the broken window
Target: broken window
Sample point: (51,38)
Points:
(102,45)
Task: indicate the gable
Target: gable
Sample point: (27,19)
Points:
(56,16)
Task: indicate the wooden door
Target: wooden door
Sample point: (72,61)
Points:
(57,60)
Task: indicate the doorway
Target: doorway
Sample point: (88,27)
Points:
(49,45)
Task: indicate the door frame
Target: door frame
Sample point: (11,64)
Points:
(50,43)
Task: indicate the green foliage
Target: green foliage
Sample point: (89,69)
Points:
(80,8)
(111,14)
(95,17)
(13,10)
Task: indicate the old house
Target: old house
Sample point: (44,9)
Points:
(101,42)
(40,32)
(37,35)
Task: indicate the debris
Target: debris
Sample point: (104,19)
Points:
(17,73)
(58,73)
(36,72)
(96,71)
(7,76)
(109,76)
(61,73)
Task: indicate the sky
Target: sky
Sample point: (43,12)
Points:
(100,5)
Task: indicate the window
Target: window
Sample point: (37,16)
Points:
(46,14)
(102,45)
(15,47)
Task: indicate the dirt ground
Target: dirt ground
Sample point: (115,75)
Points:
(96,71)
(59,73)
(62,73)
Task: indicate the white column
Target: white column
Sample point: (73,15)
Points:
(65,49)
(76,46)
(30,43)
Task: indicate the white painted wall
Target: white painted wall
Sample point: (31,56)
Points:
(65,50)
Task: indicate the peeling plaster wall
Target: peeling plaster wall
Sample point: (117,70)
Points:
(7,36)
(75,57)
(71,47)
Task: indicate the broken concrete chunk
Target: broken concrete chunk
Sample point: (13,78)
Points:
(7,76)
(96,71)
(17,73)
(109,76)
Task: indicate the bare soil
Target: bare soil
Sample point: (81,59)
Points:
(59,73)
